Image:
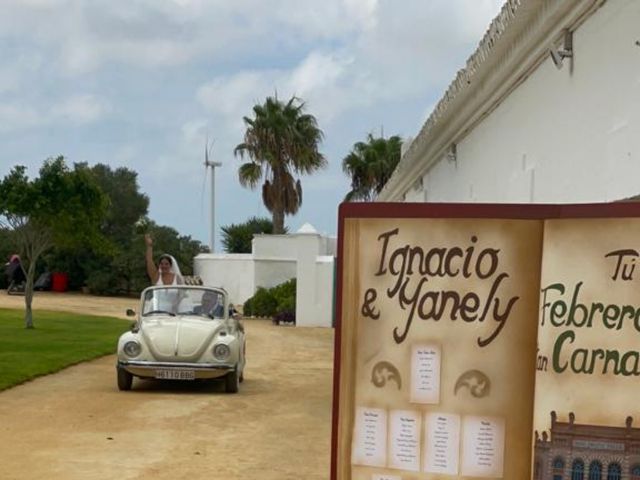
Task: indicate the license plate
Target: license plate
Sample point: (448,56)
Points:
(175,374)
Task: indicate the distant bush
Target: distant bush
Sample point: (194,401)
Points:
(285,317)
(285,295)
(262,304)
(102,282)
(278,302)
(247,308)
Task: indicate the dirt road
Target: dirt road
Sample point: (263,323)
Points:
(77,425)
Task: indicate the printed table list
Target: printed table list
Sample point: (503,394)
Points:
(483,447)
(442,437)
(404,429)
(370,437)
(425,374)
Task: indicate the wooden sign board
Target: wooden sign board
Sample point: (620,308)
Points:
(476,341)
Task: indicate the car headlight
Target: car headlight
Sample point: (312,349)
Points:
(221,351)
(132,349)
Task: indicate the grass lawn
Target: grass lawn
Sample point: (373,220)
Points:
(60,339)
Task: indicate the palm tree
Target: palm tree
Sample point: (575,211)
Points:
(236,238)
(370,165)
(280,141)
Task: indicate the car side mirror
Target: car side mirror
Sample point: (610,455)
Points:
(131,312)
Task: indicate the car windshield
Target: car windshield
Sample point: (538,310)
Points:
(203,302)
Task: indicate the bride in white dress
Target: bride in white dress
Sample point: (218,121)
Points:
(166,273)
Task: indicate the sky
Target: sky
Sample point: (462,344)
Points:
(143,84)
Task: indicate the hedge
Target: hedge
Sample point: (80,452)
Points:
(278,303)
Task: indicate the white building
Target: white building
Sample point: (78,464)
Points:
(305,255)
(517,125)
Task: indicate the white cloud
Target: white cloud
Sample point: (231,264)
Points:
(328,181)
(418,45)
(76,110)
(473,21)
(400,51)
(230,94)
(318,71)
(126,154)
(364,11)
(171,72)
(372,50)
(85,36)
(18,70)
(16,117)
(326,82)
(195,131)
(80,109)
(311,19)
(39,4)
(9,80)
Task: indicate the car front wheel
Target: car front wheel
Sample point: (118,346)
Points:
(232,382)
(125,379)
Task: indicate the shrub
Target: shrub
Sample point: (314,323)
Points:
(102,282)
(285,317)
(285,295)
(278,302)
(247,308)
(264,303)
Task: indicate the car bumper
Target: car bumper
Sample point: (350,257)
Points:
(174,370)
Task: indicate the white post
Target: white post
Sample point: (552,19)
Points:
(213,166)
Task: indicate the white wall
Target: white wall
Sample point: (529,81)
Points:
(235,273)
(306,278)
(271,272)
(560,136)
(276,259)
(273,246)
(323,315)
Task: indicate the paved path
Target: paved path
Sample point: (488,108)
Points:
(77,425)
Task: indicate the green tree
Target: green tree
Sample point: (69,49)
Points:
(115,269)
(127,204)
(61,207)
(370,165)
(280,141)
(236,238)
(128,274)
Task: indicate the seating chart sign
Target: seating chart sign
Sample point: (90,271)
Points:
(449,315)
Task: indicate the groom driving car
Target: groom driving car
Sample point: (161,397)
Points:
(210,306)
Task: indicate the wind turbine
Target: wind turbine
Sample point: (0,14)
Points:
(208,148)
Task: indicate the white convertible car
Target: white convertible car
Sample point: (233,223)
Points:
(183,333)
